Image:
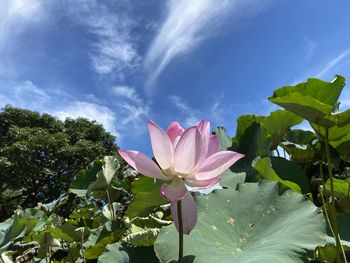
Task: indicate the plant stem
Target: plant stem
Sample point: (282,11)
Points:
(82,245)
(110,205)
(181,234)
(326,213)
(332,211)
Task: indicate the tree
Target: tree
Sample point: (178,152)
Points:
(39,155)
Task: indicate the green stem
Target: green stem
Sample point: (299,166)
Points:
(47,248)
(110,205)
(181,234)
(326,213)
(82,245)
(321,189)
(332,211)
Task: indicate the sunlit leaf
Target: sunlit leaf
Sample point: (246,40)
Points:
(253,224)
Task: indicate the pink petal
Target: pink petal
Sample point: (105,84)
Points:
(188,151)
(174,132)
(189,213)
(214,145)
(204,128)
(202,183)
(174,191)
(217,164)
(142,164)
(162,147)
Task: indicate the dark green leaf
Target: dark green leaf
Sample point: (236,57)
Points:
(146,195)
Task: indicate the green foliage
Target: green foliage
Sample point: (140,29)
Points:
(280,170)
(87,228)
(251,224)
(147,196)
(120,253)
(270,210)
(39,155)
(143,231)
(314,100)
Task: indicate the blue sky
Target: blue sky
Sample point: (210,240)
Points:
(123,62)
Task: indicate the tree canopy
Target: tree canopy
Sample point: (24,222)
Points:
(40,154)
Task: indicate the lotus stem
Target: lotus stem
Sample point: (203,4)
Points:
(181,232)
(110,206)
(332,211)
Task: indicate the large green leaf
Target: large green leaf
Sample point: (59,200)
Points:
(146,195)
(300,137)
(341,187)
(243,123)
(299,144)
(301,154)
(119,253)
(84,178)
(232,180)
(15,230)
(293,179)
(252,140)
(325,92)
(313,100)
(252,224)
(225,141)
(278,123)
(101,237)
(21,224)
(307,108)
(143,231)
(344,226)
(105,176)
(290,171)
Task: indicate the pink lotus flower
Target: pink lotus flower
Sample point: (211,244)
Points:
(185,157)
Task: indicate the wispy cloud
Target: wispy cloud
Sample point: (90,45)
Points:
(186,25)
(128,93)
(327,68)
(24,94)
(218,112)
(114,50)
(17,11)
(16,16)
(91,111)
(132,110)
(190,115)
(310,47)
(333,63)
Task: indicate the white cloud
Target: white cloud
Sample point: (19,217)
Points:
(128,93)
(186,25)
(17,11)
(24,94)
(190,116)
(131,109)
(17,16)
(27,89)
(114,50)
(333,63)
(91,111)
(310,47)
(217,112)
